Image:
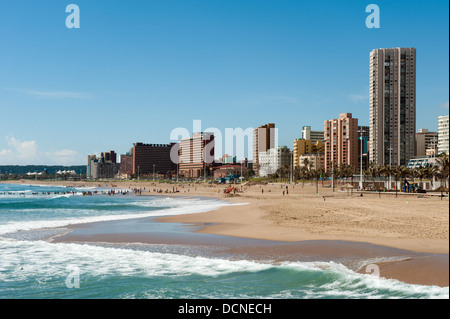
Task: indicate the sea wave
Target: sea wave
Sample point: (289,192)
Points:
(197,276)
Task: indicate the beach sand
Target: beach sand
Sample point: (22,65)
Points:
(331,223)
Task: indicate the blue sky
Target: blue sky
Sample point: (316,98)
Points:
(135,70)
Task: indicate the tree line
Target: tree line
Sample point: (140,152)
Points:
(375,172)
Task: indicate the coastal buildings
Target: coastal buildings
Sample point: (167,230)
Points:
(315,161)
(302,147)
(109,157)
(314,136)
(126,165)
(227,159)
(263,140)
(271,160)
(363,146)
(196,155)
(225,170)
(392,106)
(341,141)
(426,142)
(104,166)
(423,161)
(151,159)
(443,137)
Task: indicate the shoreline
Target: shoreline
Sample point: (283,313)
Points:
(156,235)
(262,216)
(274,219)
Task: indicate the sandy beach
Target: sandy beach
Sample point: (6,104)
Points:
(417,224)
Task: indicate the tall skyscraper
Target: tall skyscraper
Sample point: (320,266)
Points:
(392,106)
(341,141)
(263,140)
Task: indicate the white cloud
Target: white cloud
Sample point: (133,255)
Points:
(444,106)
(28,153)
(22,150)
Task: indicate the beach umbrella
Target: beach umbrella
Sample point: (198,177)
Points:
(441,189)
(349,186)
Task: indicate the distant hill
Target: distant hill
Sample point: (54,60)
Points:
(51,170)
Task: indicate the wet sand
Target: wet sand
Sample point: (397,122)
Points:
(152,234)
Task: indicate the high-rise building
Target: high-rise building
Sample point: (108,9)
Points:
(272,159)
(196,155)
(443,129)
(109,157)
(263,140)
(426,141)
(302,146)
(91,159)
(392,106)
(149,159)
(314,136)
(100,168)
(126,165)
(341,141)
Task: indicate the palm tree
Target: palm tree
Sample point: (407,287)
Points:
(297,173)
(372,171)
(346,171)
(386,171)
(323,173)
(315,173)
(379,171)
(404,173)
(430,173)
(420,173)
(443,161)
(306,163)
(396,172)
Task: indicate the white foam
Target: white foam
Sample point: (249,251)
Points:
(178,207)
(22,259)
(356,285)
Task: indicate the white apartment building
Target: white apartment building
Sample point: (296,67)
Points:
(443,128)
(314,136)
(271,160)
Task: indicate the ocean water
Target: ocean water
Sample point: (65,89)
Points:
(31,267)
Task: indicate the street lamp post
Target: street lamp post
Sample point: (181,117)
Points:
(332,174)
(360,160)
(390,168)
(153,172)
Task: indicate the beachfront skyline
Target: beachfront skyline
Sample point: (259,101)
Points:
(135,71)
